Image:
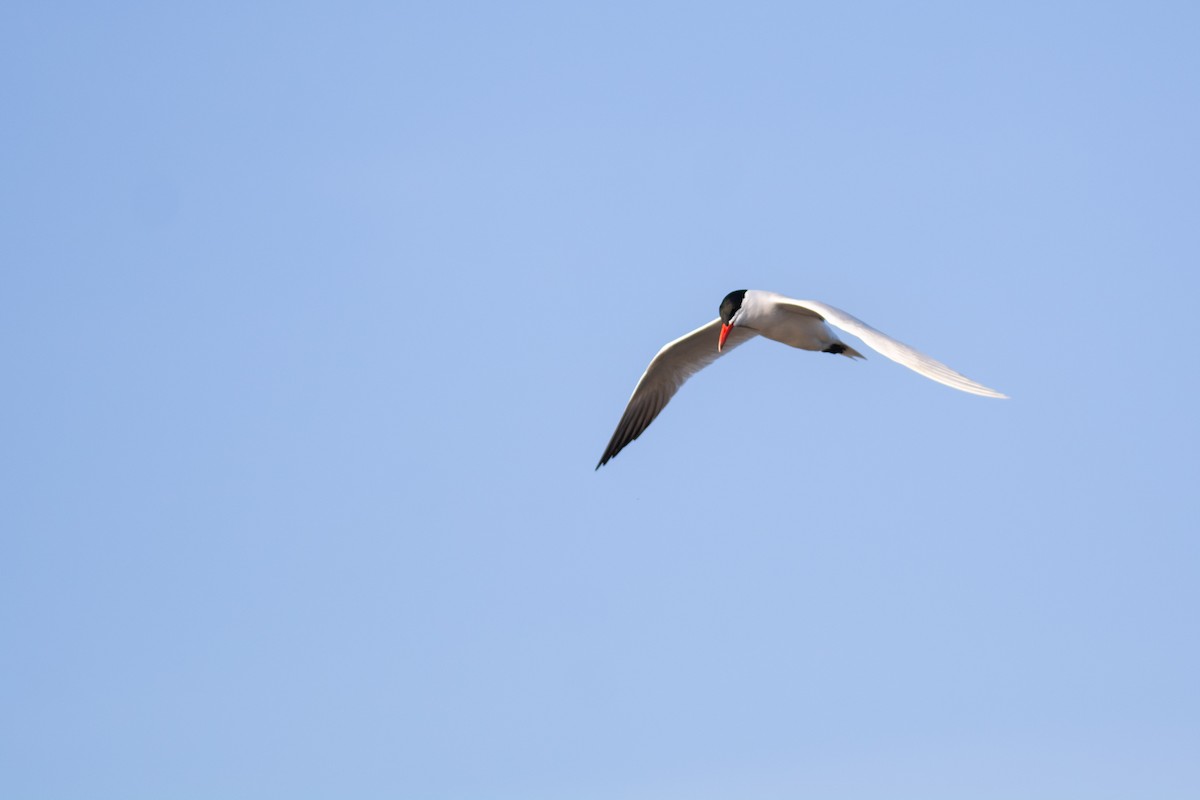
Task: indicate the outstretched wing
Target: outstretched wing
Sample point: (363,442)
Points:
(895,350)
(670,369)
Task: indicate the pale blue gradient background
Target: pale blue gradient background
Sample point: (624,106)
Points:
(316,317)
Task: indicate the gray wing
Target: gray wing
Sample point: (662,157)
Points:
(670,369)
(895,350)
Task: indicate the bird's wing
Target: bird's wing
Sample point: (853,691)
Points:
(895,350)
(670,369)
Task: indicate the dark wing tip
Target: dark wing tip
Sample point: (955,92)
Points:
(615,445)
(632,425)
(610,451)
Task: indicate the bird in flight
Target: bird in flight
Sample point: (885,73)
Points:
(747,313)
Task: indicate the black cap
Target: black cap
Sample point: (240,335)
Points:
(730,305)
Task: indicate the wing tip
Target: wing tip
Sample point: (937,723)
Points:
(610,453)
(986,392)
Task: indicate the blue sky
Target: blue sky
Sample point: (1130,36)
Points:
(316,318)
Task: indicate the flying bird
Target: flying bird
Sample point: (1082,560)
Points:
(745,314)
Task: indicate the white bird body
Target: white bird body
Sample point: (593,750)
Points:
(770,315)
(744,314)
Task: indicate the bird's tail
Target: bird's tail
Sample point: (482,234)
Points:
(843,349)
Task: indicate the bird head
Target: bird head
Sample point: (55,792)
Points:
(730,306)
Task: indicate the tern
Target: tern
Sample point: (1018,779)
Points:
(747,313)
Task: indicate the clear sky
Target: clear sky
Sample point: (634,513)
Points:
(316,317)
